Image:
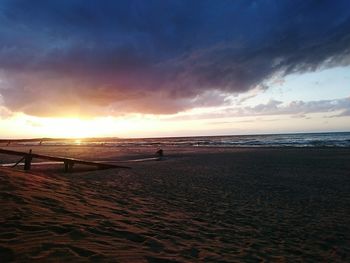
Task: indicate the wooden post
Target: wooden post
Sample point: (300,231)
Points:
(28,160)
(68,166)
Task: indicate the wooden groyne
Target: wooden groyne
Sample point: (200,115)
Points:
(69,163)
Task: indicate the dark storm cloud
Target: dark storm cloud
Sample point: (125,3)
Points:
(112,57)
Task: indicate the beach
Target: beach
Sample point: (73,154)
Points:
(198,204)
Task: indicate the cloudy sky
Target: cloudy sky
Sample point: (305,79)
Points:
(173,68)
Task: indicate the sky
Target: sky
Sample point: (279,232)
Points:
(83,68)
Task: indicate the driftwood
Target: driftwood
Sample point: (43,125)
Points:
(68,162)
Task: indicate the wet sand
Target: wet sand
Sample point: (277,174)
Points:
(198,205)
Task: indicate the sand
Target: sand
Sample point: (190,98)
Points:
(198,205)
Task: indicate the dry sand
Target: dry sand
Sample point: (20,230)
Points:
(199,205)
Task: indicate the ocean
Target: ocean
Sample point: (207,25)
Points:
(331,139)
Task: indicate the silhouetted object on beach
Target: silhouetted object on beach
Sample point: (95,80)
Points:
(8,143)
(68,162)
(160,153)
(27,157)
(28,160)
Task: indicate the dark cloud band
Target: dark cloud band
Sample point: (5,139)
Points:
(112,57)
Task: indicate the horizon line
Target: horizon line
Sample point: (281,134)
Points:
(158,137)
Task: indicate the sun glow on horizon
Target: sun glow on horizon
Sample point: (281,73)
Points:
(189,123)
(83,128)
(25,126)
